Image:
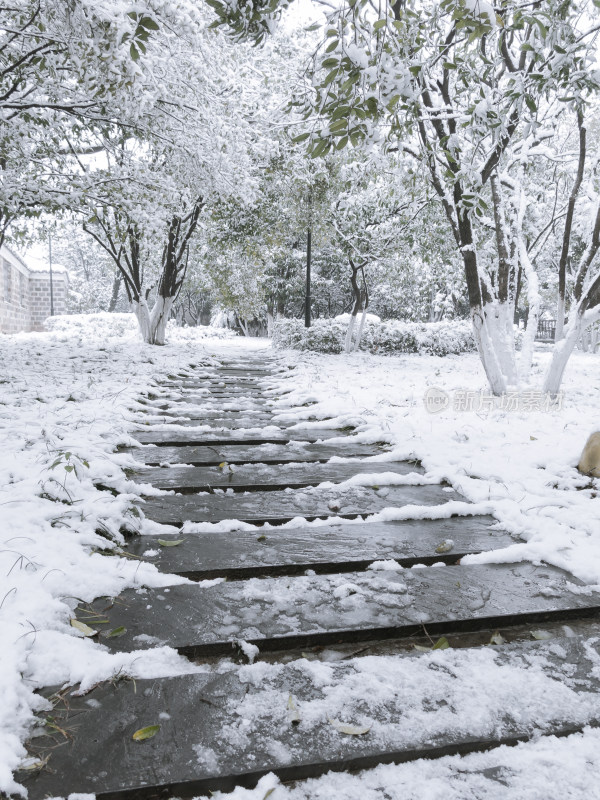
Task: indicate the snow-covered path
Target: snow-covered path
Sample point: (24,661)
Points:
(69,402)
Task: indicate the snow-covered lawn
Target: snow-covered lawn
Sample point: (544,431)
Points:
(67,398)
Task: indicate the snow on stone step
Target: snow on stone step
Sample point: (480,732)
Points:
(215,731)
(301,611)
(198,411)
(332,548)
(189,417)
(217,388)
(265,454)
(282,505)
(230,403)
(272,434)
(251,476)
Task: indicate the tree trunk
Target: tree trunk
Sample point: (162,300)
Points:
(360,329)
(349,333)
(142,312)
(115,292)
(560,318)
(153,324)
(487,352)
(499,318)
(561,354)
(356,307)
(161,311)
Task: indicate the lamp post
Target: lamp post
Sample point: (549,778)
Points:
(307,298)
(51,283)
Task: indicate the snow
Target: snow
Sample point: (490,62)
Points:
(548,768)
(66,400)
(68,397)
(516,461)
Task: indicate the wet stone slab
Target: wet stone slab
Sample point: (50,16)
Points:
(190,417)
(281,613)
(218,731)
(216,388)
(260,476)
(331,548)
(254,436)
(251,454)
(178,407)
(280,506)
(230,403)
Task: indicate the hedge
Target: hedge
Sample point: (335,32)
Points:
(327,336)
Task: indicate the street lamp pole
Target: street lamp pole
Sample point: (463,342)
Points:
(51,282)
(307,299)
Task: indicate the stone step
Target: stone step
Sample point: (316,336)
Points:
(284,613)
(191,418)
(262,454)
(339,547)
(278,507)
(253,476)
(218,731)
(203,438)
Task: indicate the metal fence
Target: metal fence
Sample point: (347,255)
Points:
(546,330)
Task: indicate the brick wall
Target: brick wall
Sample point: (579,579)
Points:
(14,297)
(25,294)
(39,296)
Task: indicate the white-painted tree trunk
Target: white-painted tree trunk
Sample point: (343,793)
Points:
(244,326)
(533,298)
(561,354)
(499,318)
(560,320)
(349,334)
(159,316)
(487,352)
(576,325)
(142,312)
(153,324)
(269,324)
(360,330)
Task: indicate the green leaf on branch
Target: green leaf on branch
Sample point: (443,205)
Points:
(530,103)
(331,77)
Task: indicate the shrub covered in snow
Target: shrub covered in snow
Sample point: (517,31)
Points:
(327,336)
(99,325)
(104,325)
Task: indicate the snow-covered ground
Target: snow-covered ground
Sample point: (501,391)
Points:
(68,397)
(515,457)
